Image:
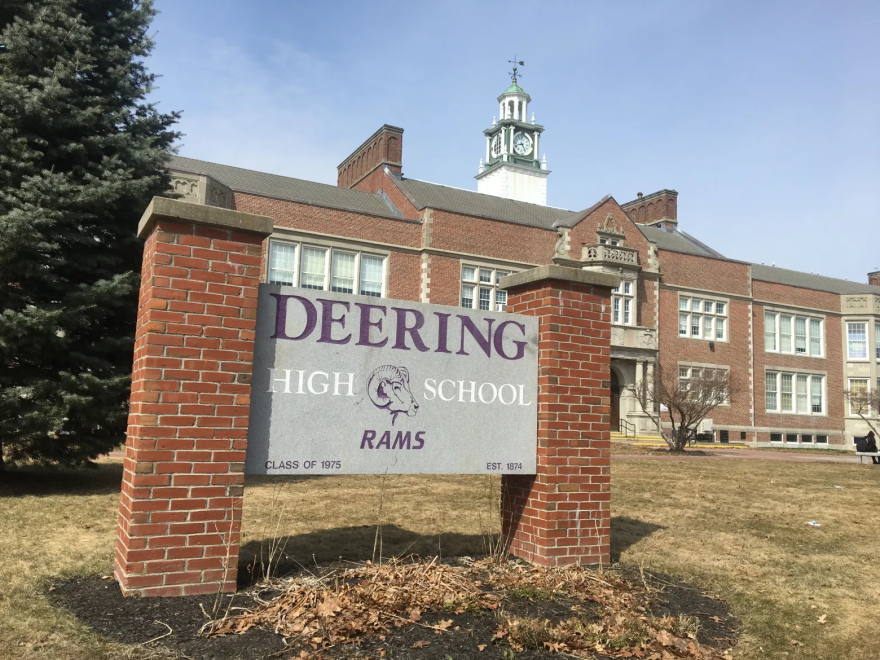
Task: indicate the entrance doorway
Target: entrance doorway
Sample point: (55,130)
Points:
(615,401)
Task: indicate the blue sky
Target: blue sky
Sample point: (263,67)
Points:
(763,115)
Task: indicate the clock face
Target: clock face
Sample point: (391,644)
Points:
(522,144)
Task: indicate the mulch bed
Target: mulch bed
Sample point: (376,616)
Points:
(419,609)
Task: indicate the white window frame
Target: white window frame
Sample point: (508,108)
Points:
(849,355)
(685,309)
(796,376)
(329,250)
(775,331)
(497,297)
(624,294)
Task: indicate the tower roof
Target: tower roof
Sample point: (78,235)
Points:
(514,89)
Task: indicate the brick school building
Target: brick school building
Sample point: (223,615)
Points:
(791,341)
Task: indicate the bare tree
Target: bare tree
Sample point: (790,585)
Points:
(687,397)
(866,404)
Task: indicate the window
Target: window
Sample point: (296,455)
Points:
(686,375)
(342,272)
(786,399)
(802,394)
(702,319)
(818,398)
(803,399)
(770,331)
(791,437)
(496,145)
(821,439)
(799,335)
(857,341)
(312,268)
(371,275)
(623,304)
(806,439)
(877,340)
(479,288)
(771,392)
(282,263)
(604,240)
(775,437)
(858,386)
(785,333)
(815,337)
(321,268)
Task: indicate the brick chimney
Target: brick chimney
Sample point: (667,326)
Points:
(384,147)
(659,208)
(874,278)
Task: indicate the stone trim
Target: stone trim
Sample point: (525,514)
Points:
(559,274)
(162,208)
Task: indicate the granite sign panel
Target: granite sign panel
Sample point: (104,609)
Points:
(346,384)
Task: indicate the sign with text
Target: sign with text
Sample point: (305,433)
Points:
(348,384)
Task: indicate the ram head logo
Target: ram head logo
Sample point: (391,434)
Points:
(388,388)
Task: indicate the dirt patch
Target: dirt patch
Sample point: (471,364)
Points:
(517,610)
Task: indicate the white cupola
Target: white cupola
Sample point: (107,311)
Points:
(512,167)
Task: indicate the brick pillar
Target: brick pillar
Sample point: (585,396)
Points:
(562,515)
(874,278)
(180,507)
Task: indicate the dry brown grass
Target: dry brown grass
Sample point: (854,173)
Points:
(734,527)
(739,528)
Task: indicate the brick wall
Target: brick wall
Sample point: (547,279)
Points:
(831,365)
(445,280)
(490,238)
(331,222)
(378,180)
(656,206)
(705,273)
(562,514)
(384,147)
(646,302)
(734,354)
(874,278)
(585,232)
(404,276)
(180,506)
(792,295)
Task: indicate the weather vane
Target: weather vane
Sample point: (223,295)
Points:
(514,62)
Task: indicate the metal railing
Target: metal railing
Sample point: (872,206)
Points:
(628,428)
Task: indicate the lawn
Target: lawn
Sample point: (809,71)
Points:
(735,528)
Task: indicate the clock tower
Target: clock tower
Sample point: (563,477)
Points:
(512,168)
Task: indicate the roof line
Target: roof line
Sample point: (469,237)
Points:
(700,243)
(583,215)
(475,192)
(258,193)
(702,256)
(395,129)
(801,272)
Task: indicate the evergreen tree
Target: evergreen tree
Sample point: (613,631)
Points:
(82,152)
